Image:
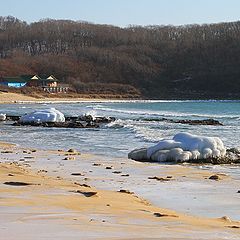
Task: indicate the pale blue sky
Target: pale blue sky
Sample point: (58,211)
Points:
(125,12)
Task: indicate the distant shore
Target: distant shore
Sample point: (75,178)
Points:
(7,98)
(11,98)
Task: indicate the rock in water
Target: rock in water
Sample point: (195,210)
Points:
(43,116)
(182,148)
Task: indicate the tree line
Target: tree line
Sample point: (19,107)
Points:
(190,61)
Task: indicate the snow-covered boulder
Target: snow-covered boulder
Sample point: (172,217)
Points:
(42,116)
(3,116)
(182,148)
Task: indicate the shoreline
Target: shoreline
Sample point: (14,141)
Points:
(58,199)
(15,98)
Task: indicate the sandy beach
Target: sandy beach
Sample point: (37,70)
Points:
(75,196)
(21,98)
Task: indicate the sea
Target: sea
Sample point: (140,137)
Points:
(137,124)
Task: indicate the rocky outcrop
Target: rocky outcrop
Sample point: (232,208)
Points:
(209,121)
(85,121)
(232,157)
(186,147)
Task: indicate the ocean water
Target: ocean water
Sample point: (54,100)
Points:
(136,125)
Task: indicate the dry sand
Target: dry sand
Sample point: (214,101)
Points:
(21,98)
(57,207)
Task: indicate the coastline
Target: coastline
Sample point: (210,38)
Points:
(11,98)
(56,199)
(17,98)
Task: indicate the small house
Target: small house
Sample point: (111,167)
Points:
(48,83)
(40,81)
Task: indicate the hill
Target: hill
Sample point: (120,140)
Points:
(192,61)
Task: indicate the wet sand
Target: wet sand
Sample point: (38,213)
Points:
(63,195)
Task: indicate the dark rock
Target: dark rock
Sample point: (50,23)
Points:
(69,158)
(214,177)
(86,194)
(17,183)
(12,118)
(84,185)
(42,171)
(233,227)
(77,174)
(7,151)
(157,214)
(16,124)
(234,150)
(109,167)
(85,121)
(159,178)
(200,122)
(97,164)
(125,191)
(186,121)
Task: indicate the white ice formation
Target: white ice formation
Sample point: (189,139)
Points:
(41,116)
(3,116)
(183,147)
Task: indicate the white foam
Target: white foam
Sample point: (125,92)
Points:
(160,114)
(3,116)
(46,115)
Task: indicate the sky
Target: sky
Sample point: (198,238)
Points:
(125,12)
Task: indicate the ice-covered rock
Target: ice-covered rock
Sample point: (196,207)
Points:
(3,116)
(42,116)
(182,148)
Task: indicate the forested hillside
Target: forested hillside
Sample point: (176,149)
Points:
(192,61)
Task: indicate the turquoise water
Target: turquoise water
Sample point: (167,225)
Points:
(132,128)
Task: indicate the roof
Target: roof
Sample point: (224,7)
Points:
(49,78)
(30,77)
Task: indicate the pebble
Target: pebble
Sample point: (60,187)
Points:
(110,167)
(69,158)
(77,174)
(97,164)
(214,177)
(125,191)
